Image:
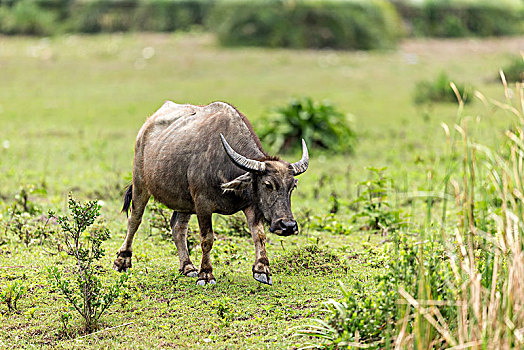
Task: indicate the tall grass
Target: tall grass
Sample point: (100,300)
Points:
(485,248)
(480,305)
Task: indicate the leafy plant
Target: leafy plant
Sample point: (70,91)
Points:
(373,204)
(85,292)
(320,124)
(11,294)
(439,90)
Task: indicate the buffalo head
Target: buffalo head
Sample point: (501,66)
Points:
(272,182)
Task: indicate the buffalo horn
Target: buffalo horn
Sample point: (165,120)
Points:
(253,166)
(301,166)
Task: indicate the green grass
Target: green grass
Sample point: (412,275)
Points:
(71,115)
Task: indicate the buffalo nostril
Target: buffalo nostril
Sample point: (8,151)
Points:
(289,225)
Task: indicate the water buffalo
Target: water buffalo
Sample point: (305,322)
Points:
(183,160)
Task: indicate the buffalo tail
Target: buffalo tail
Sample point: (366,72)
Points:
(127,199)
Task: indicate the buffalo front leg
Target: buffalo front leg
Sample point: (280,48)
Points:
(179,223)
(205,275)
(124,254)
(261,271)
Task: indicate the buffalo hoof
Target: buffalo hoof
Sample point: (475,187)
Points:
(262,278)
(204,282)
(122,262)
(192,274)
(189,270)
(205,278)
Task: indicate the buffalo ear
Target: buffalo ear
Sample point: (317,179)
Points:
(238,184)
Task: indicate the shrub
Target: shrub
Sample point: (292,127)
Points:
(458,19)
(306,24)
(85,292)
(26,17)
(102,16)
(146,15)
(165,15)
(440,90)
(514,71)
(320,124)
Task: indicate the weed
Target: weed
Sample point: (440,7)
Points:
(86,294)
(224,312)
(12,292)
(325,223)
(373,205)
(26,221)
(320,124)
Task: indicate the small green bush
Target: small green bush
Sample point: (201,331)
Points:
(439,90)
(307,24)
(26,17)
(82,238)
(514,71)
(320,124)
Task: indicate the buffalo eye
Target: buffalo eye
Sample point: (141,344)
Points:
(268,185)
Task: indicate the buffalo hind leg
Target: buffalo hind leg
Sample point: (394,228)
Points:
(140,198)
(261,271)
(205,275)
(179,223)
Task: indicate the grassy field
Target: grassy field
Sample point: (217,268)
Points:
(70,108)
